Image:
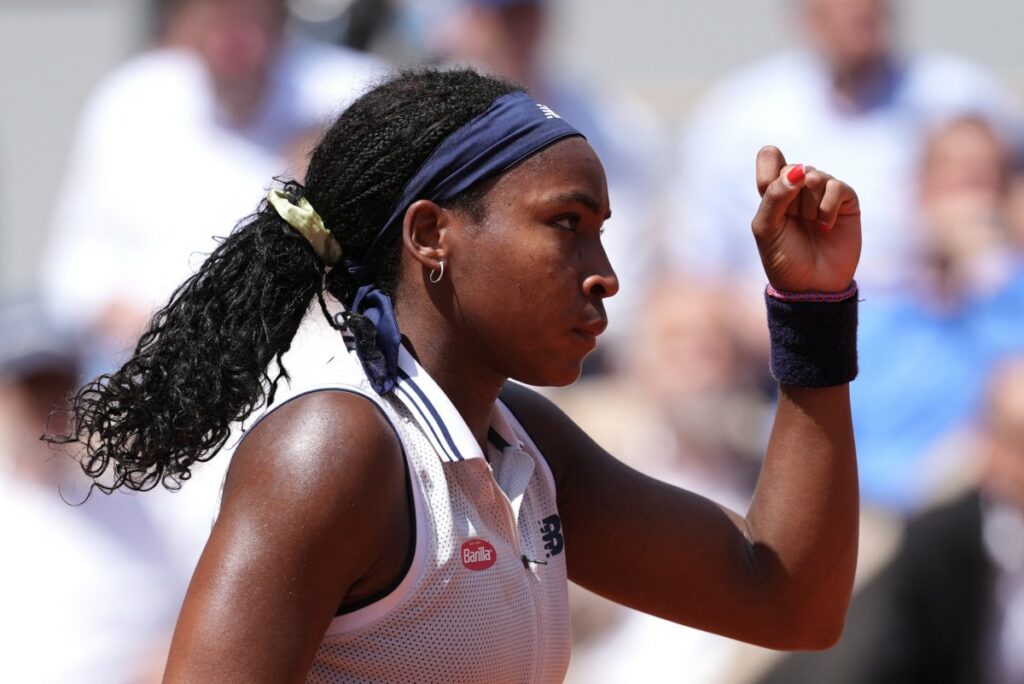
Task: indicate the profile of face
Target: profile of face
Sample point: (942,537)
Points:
(851,34)
(964,169)
(1003,468)
(236,39)
(526,278)
(963,188)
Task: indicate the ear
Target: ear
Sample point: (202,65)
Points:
(425,233)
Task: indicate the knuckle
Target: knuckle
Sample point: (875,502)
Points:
(759,226)
(777,191)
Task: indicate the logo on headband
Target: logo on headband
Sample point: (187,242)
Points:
(548,112)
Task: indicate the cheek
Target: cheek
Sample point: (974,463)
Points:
(539,280)
(513,290)
(516,264)
(521,305)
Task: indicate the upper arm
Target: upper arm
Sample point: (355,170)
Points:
(780,576)
(309,502)
(638,541)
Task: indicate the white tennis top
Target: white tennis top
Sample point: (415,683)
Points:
(485,597)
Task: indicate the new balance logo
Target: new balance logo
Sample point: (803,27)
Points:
(548,112)
(551,534)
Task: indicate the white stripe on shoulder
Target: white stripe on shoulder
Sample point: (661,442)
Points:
(442,423)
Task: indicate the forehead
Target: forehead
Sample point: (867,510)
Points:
(567,166)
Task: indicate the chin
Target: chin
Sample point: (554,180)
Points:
(567,379)
(552,375)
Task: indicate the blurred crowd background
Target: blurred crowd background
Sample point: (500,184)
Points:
(132,133)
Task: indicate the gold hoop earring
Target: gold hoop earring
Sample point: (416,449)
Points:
(435,275)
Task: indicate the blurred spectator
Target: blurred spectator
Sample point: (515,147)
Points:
(506,38)
(173,148)
(691,366)
(956,597)
(683,410)
(925,351)
(85,595)
(848,101)
(963,191)
(682,406)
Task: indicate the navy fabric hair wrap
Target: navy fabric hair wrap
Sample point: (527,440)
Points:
(510,130)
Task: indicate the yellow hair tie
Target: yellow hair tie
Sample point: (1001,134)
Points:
(309,225)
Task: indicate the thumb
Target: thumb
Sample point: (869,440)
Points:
(767,165)
(778,196)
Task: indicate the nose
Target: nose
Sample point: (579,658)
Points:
(602,281)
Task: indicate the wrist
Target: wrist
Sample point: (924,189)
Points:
(813,336)
(812,295)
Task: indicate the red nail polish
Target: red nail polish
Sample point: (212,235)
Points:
(823,227)
(796,174)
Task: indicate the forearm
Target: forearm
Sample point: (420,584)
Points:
(802,523)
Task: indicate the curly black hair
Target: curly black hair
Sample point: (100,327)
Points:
(205,361)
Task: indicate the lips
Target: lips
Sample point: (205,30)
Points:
(592,329)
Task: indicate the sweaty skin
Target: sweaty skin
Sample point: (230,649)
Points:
(315,511)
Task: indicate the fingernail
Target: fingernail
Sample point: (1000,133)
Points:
(796,174)
(823,227)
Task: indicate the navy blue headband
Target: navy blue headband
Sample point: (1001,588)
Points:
(510,130)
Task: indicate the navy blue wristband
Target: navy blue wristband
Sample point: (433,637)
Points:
(813,337)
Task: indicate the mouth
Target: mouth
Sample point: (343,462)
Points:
(590,331)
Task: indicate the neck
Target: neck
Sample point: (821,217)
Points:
(470,386)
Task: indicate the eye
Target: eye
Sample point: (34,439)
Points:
(567,222)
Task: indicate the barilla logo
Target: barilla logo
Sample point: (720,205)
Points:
(548,112)
(478,554)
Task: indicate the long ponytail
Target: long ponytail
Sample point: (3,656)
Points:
(202,364)
(212,355)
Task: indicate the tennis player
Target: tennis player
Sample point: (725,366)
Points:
(398,511)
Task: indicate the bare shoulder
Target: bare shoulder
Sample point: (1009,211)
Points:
(314,497)
(316,453)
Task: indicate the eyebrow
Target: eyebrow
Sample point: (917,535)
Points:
(581,198)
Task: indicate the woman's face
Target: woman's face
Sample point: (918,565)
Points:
(528,280)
